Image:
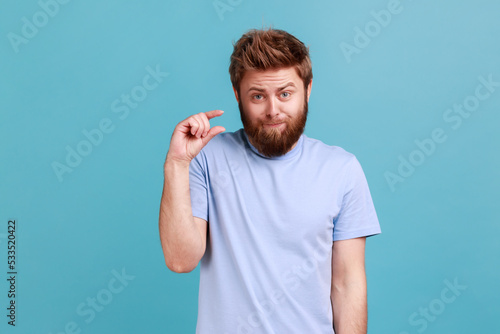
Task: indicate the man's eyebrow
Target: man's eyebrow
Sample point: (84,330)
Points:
(256,89)
(289,84)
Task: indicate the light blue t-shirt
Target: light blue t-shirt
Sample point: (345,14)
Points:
(271,223)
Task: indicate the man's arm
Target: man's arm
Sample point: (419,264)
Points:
(348,294)
(182,236)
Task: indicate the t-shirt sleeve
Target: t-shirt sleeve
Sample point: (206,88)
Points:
(198,187)
(357,216)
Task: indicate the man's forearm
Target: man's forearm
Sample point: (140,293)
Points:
(180,238)
(350,307)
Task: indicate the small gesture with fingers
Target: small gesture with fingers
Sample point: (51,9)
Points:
(192,134)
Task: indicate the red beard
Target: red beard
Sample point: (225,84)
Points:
(273,142)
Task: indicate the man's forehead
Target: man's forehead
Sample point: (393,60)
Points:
(271,78)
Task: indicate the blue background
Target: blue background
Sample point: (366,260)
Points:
(440,223)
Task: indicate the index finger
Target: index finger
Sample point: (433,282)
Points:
(214,113)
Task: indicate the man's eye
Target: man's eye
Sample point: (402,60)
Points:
(285,94)
(257,97)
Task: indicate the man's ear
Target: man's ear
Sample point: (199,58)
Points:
(236,95)
(309,87)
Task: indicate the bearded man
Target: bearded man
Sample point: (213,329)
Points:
(278,219)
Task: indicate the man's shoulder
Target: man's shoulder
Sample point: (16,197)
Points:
(227,142)
(225,138)
(320,149)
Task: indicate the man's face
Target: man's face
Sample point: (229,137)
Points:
(273,109)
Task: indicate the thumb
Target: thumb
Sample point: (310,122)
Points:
(212,133)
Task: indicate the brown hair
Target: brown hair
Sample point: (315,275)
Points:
(269,49)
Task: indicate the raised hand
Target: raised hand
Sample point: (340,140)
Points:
(191,135)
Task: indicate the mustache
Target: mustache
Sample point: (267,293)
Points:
(276,121)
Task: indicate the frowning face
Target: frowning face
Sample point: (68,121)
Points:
(273,109)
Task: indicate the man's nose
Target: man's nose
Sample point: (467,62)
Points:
(272,108)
